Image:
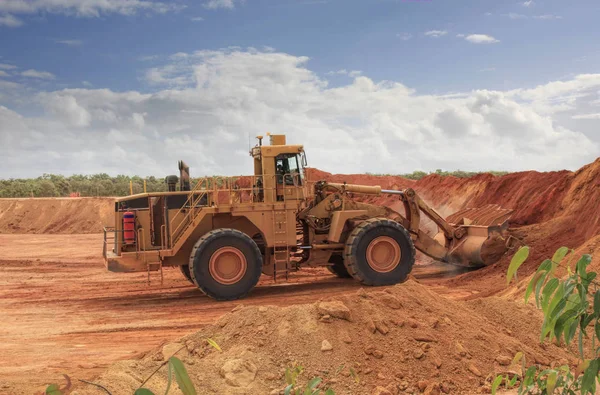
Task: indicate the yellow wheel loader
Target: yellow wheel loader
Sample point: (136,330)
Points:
(224,232)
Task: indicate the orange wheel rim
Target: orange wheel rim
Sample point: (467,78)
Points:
(383,254)
(227,265)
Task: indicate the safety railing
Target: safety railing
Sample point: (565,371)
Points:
(233,191)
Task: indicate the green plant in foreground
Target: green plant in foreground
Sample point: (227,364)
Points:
(181,376)
(291,379)
(571,307)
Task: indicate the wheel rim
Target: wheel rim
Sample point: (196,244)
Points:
(227,265)
(383,254)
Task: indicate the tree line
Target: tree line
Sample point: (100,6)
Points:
(52,185)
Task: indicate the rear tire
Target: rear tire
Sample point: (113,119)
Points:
(379,251)
(338,268)
(225,264)
(185,270)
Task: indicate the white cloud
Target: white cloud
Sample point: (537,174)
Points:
(528,3)
(85,8)
(349,73)
(404,36)
(4,74)
(38,74)
(548,17)
(214,4)
(460,35)
(436,33)
(9,20)
(481,39)
(197,19)
(5,66)
(70,43)
(514,15)
(586,116)
(359,126)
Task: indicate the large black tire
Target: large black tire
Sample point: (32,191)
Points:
(231,245)
(379,251)
(185,270)
(338,268)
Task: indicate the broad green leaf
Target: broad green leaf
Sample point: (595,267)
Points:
(516,261)
(312,384)
(181,376)
(536,277)
(214,344)
(496,384)
(549,288)
(562,321)
(588,383)
(560,254)
(329,392)
(53,389)
(529,376)
(551,382)
(571,332)
(287,390)
(143,391)
(582,264)
(512,381)
(597,329)
(538,289)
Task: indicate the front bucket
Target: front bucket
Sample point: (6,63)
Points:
(485,238)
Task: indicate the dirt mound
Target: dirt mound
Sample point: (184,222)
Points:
(401,338)
(56,215)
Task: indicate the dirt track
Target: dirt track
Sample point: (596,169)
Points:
(64,313)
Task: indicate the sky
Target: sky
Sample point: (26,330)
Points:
(379,86)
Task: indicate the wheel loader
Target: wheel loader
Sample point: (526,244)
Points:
(225,232)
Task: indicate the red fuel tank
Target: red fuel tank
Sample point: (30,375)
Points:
(129,227)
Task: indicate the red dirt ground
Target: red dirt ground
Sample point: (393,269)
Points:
(62,312)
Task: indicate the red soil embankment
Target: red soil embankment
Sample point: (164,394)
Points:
(56,215)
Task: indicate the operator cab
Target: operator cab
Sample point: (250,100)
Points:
(278,170)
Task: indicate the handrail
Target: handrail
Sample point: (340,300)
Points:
(211,190)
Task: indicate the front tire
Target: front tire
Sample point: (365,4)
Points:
(379,251)
(338,268)
(225,264)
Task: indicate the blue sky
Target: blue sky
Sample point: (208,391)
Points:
(72,50)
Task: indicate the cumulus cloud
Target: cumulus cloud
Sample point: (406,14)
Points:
(4,74)
(5,66)
(349,73)
(364,125)
(436,33)
(481,39)
(9,20)
(80,8)
(44,75)
(214,4)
